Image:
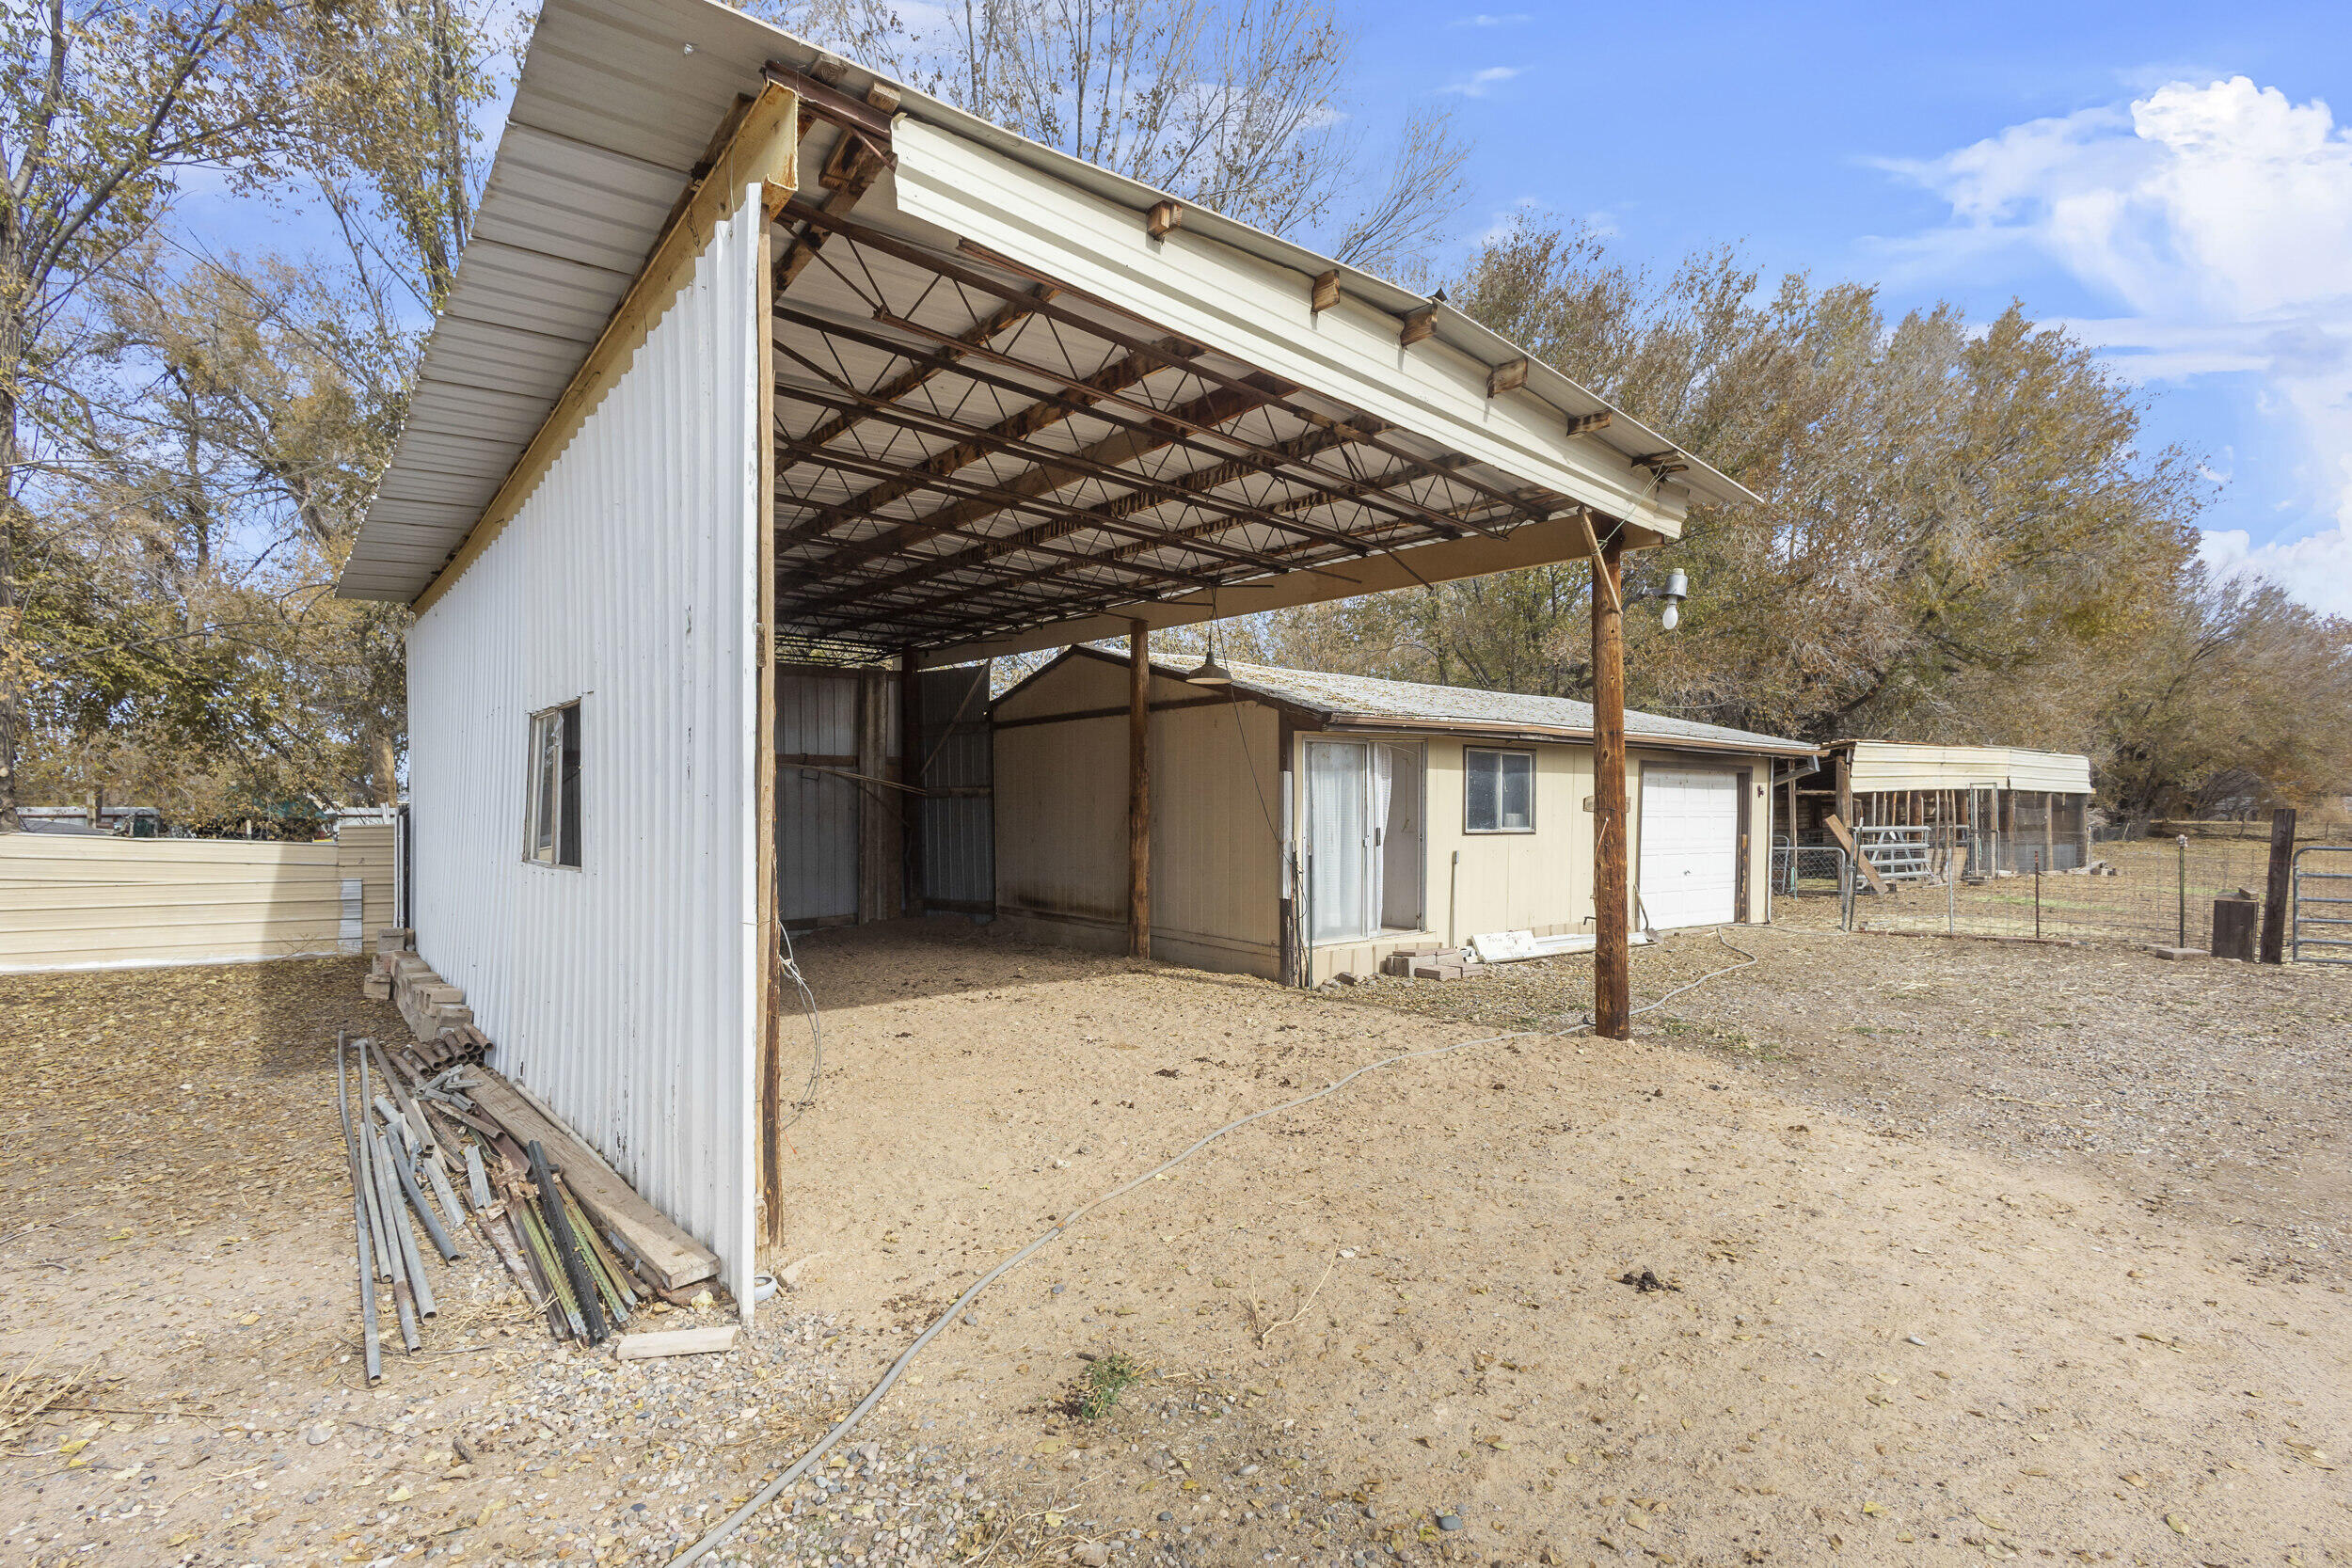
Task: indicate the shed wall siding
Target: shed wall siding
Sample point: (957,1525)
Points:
(624,993)
(1880,766)
(1217,863)
(1061,821)
(1540,881)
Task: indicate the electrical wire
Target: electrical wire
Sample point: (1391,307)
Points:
(791,966)
(718,1533)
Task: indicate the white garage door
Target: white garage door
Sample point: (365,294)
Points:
(1690,847)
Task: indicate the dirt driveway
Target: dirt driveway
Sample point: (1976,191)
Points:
(1390,1325)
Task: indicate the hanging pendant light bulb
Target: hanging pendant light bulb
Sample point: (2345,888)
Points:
(1210,673)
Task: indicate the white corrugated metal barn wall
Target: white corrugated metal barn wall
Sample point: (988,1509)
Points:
(624,993)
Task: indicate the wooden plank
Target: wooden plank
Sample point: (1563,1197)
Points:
(1325,291)
(1844,835)
(1139,790)
(1612,975)
(768,1066)
(911,772)
(669,1257)
(676,1341)
(1417,325)
(765,150)
(2274,947)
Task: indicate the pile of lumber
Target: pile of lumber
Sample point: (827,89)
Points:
(433,1009)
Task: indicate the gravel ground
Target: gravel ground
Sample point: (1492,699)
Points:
(2219,1091)
(1911,1306)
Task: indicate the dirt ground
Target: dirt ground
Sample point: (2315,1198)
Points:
(2046,1263)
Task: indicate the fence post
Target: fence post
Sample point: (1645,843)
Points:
(2037,896)
(2183,938)
(2275,891)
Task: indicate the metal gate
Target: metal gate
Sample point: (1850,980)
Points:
(2322,905)
(1897,854)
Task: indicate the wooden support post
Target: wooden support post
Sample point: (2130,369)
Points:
(910,773)
(770,1065)
(2275,891)
(1612,975)
(1845,786)
(2082,827)
(2049,831)
(1745,841)
(1138,789)
(1294,949)
(2005,820)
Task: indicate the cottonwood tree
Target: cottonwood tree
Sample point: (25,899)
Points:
(220,423)
(104,106)
(1240,105)
(1965,538)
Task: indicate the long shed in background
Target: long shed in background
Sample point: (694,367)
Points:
(1406,812)
(2010,807)
(96,901)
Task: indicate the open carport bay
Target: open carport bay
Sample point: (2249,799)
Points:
(1402,1300)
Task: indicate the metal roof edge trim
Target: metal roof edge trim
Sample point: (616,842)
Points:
(1753,744)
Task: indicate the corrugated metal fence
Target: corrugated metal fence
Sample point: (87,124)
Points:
(74,902)
(958,839)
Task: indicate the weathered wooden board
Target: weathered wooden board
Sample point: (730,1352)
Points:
(676,1341)
(673,1258)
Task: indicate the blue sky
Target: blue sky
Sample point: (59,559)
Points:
(2175,180)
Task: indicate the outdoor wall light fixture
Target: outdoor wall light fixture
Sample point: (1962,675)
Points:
(1677,589)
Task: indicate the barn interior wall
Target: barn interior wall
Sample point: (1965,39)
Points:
(1061,819)
(839,857)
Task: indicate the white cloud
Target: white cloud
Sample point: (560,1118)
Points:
(1478,82)
(2317,567)
(2218,217)
(1507,19)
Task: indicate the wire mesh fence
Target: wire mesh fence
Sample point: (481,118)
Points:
(2158,891)
(1815,870)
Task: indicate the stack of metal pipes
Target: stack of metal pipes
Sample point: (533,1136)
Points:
(404,1136)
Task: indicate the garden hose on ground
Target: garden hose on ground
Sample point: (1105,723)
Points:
(718,1533)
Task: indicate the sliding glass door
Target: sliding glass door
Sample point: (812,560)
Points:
(1364,838)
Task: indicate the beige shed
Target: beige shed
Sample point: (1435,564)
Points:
(1306,824)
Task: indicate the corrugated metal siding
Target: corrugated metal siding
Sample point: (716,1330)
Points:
(816,811)
(959,837)
(1880,766)
(624,993)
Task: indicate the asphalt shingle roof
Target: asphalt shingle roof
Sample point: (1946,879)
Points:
(1439,707)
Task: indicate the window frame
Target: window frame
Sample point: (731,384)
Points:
(551,789)
(1469,752)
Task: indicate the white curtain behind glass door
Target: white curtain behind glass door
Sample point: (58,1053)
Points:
(1338,894)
